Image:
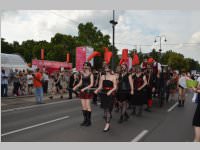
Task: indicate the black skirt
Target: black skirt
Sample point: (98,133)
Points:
(196,119)
(139,97)
(107,101)
(123,95)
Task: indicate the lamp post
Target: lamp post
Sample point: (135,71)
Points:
(160,37)
(114,23)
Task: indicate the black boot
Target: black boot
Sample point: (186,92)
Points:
(85,118)
(121,119)
(140,111)
(88,118)
(179,103)
(134,111)
(182,103)
(126,116)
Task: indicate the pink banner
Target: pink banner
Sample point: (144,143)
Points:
(80,57)
(51,64)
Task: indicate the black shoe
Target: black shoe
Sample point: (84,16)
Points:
(117,110)
(126,116)
(51,97)
(61,97)
(147,109)
(121,120)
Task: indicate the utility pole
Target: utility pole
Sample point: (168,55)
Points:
(114,23)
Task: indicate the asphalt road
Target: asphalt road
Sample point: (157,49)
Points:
(60,122)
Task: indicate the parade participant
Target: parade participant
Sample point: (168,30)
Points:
(140,83)
(108,85)
(96,82)
(86,82)
(148,92)
(181,88)
(156,66)
(172,85)
(125,88)
(116,101)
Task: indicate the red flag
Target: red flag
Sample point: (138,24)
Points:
(94,54)
(124,56)
(136,60)
(150,60)
(107,57)
(68,58)
(42,54)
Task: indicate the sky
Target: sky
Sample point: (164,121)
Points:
(135,28)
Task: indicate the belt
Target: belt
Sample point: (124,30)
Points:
(108,88)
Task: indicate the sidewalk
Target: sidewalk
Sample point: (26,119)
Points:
(22,101)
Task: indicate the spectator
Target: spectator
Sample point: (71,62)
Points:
(4,83)
(52,86)
(45,82)
(37,81)
(30,82)
(16,83)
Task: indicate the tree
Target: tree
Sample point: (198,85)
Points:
(6,47)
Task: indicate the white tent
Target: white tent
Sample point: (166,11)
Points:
(12,61)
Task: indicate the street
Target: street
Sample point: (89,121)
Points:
(60,122)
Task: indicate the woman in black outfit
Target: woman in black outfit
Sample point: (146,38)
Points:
(125,88)
(139,97)
(108,85)
(86,82)
(196,119)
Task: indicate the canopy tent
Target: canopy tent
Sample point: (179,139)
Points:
(13,61)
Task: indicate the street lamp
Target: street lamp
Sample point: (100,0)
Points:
(160,50)
(114,23)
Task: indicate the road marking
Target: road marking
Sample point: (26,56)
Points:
(171,108)
(140,136)
(38,105)
(34,126)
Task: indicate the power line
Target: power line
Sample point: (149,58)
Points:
(192,44)
(64,17)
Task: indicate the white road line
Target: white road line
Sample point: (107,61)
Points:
(38,105)
(171,108)
(140,136)
(34,126)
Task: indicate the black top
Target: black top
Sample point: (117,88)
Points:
(124,82)
(138,81)
(107,84)
(85,81)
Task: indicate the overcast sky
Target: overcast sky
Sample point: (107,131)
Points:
(136,27)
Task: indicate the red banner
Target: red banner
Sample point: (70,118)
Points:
(67,58)
(42,54)
(50,66)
